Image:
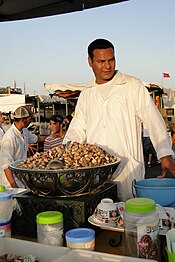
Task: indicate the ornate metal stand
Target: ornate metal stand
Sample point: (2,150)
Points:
(75,210)
(65,182)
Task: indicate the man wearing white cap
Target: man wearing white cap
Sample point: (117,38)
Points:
(15,145)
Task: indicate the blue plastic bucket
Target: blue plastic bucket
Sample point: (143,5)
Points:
(162,191)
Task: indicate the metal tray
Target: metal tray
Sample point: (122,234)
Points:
(65,182)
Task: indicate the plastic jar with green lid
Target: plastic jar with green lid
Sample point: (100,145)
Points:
(141,224)
(50,228)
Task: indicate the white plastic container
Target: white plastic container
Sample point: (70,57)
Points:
(88,256)
(48,253)
(50,228)
(6,208)
(5,229)
(44,253)
(141,224)
(81,238)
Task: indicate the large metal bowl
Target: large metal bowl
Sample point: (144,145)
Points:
(65,182)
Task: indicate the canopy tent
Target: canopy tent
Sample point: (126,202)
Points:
(65,90)
(72,91)
(64,87)
(153,88)
(23,9)
(11,102)
(71,88)
(69,92)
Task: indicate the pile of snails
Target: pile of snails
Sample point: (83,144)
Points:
(75,156)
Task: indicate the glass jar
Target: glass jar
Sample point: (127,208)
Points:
(141,228)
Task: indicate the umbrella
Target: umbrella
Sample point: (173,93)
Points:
(24,9)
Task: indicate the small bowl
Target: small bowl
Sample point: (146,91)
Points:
(106,212)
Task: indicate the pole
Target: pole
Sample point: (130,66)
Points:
(66,107)
(162,81)
(53,109)
(38,102)
(24,88)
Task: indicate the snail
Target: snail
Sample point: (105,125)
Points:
(76,155)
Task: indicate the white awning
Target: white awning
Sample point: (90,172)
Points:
(11,102)
(64,87)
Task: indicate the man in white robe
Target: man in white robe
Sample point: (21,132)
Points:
(109,114)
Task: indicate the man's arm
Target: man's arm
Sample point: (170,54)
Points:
(10,177)
(167,164)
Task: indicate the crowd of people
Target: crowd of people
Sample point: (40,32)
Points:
(109,113)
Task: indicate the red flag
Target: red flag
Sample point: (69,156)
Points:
(165,75)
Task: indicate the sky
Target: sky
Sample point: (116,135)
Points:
(54,49)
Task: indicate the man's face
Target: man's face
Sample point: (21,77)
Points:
(1,118)
(103,65)
(27,121)
(55,126)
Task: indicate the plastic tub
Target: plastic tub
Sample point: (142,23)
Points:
(88,256)
(6,207)
(162,191)
(171,256)
(5,229)
(44,253)
(50,228)
(81,238)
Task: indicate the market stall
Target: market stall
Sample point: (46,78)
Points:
(69,92)
(76,192)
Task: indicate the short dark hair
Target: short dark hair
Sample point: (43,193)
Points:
(99,44)
(57,118)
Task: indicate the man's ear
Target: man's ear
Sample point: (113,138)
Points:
(90,61)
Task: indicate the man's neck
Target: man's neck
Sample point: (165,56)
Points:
(58,134)
(18,126)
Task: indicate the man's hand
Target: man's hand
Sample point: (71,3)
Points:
(167,164)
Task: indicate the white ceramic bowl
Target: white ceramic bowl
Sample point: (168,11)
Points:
(106,204)
(106,212)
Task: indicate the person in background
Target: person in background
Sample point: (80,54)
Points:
(173,133)
(11,117)
(14,145)
(109,113)
(66,122)
(148,149)
(164,115)
(2,132)
(44,127)
(57,134)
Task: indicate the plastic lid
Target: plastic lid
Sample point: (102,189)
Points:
(2,188)
(5,223)
(80,235)
(140,205)
(49,217)
(5,196)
